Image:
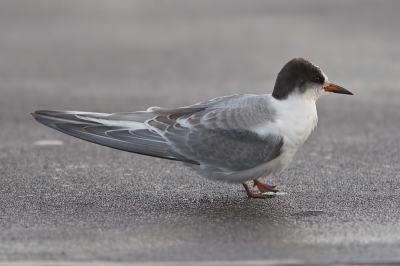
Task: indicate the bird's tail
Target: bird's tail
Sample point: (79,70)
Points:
(122,131)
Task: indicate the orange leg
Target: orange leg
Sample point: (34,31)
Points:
(264,187)
(252,195)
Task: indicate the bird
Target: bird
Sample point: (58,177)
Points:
(236,138)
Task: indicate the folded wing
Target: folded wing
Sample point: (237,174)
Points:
(220,137)
(117,131)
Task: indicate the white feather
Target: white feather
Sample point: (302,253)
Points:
(115,123)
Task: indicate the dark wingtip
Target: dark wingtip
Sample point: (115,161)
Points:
(42,112)
(38,113)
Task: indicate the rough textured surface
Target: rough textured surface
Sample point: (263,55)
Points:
(80,201)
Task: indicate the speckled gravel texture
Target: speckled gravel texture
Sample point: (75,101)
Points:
(81,201)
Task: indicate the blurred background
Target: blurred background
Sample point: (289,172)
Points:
(123,55)
(120,56)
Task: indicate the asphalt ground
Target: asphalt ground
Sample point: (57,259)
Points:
(63,199)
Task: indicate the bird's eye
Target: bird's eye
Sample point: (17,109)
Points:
(318,79)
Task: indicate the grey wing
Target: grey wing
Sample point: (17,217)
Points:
(220,139)
(230,150)
(119,134)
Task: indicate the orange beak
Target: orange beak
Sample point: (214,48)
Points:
(337,89)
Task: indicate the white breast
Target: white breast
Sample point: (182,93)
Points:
(296,117)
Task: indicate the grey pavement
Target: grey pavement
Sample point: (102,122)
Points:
(63,199)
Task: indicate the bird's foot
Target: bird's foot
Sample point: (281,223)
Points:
(264,187)
(252,195)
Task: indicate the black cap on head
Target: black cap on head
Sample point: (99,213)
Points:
(296,73)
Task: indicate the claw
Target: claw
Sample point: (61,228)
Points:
(264,187)
(252,195)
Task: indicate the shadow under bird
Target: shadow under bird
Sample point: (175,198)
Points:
(233,138)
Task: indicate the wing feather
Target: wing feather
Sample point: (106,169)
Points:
(141,141)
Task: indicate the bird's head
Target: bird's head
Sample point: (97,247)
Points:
(300,76)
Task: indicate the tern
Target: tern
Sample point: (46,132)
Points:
(234,138)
